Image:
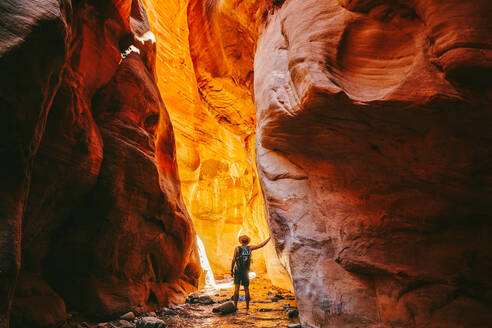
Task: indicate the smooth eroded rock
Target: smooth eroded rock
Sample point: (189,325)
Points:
(373,149)
(91,192)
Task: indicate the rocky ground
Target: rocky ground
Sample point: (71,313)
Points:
(269,307)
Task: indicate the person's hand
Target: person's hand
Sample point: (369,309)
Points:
(232,273)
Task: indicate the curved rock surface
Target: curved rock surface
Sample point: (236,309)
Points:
(374,152)
(91,194)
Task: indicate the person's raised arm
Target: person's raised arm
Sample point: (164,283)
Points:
(260,245)
(233,262)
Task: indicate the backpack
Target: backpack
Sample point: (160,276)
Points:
(243,258)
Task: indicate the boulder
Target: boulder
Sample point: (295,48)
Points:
(225,308)
(206,300)
(149,322)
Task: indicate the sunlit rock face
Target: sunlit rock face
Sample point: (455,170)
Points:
(205,67)
(91,210)
(373,148)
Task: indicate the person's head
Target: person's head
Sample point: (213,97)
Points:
(244,240)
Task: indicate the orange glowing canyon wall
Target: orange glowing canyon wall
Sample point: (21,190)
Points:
(205,54)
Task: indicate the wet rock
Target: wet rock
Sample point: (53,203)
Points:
(297,325)
(195,298)
(225,308)
(150,322)
(128,316)
(177,308)
(205,300)
(192,298)
(167,311)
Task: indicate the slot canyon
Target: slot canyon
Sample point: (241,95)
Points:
(137,134)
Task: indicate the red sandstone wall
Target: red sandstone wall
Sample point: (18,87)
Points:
(374,151)
(91,213)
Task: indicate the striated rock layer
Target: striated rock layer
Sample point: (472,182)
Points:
(374,153)
(205,67)
(91,213)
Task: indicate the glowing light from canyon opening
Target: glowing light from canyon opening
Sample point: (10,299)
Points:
(210,282)
(147,36)
(209,274)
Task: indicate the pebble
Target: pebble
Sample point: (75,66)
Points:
(297,325)
(128,316)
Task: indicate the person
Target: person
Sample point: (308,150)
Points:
(240,267)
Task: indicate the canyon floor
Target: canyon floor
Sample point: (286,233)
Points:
(270,307)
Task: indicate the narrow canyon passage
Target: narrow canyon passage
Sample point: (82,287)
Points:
(141,138)
(209,97)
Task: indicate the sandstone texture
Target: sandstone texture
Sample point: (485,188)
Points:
(91,214)
(374,152)
(205,55)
